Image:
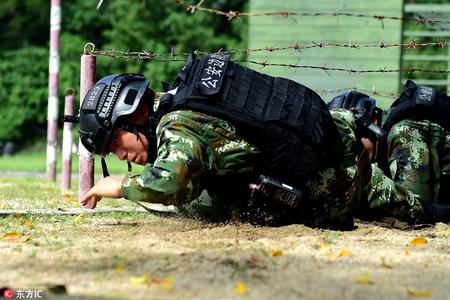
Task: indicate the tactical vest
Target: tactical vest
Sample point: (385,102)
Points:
(418,103)
(288,122)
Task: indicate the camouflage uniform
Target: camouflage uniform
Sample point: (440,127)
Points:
(198,151)
(419,159)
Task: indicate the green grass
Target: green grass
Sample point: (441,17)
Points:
(36,161)
(30,192)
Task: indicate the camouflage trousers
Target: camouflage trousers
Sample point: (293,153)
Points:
(419,160)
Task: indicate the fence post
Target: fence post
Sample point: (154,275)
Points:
(86,159)
(53,87)
(66,174)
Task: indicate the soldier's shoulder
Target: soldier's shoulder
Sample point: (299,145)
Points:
(344,119)
(342,114)
(407,126)
(186,115)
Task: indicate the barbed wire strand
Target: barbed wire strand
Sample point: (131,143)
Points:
(295,46)
(237,14)
(326,69)
(151,56)
(410,45)
(366,91)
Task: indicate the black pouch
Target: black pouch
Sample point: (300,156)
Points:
(273,203)
(274,191)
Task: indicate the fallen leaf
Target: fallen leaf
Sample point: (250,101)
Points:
(419,293)
(407,253)
(22,239)
(341,253)
(364,279)
(27,223)
(384,264)
(166,283)
(345,253)
(119,268)
(11,236)
(418,241)
(240,288)
(138,280)
(276,252)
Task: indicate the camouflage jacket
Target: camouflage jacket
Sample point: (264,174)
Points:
(194,148)
(419,159)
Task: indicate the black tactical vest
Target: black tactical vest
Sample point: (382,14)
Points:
(288,122)
(418,103)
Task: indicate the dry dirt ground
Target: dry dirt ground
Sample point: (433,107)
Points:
(138,255)
(156,257)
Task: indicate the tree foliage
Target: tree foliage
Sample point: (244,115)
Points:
(148,25)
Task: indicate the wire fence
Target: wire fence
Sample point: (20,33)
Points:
(372,92)
(181,58)
(166,57)
(298,48)
(237,14)
(173,57)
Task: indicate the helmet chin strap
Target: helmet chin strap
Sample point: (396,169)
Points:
(105,168)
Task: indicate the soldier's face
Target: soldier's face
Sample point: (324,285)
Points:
(126,146)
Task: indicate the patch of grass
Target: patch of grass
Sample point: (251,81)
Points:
(36,161)
(331,237)
(24,193)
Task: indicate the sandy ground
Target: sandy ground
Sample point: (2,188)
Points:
(147,256)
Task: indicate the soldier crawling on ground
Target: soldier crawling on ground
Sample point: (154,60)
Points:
(266,149)
(411,177)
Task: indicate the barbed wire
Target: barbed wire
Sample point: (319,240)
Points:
(295,46)
(410,45)
(365,91)
(140,55)
(327,69)
(171,57)
(237,14)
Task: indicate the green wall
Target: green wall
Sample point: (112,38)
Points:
(277,31)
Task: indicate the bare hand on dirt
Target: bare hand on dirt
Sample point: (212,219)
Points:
(107,187)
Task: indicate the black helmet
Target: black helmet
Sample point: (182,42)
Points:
(356,101)
(106,102)
(352,100)
(364,109)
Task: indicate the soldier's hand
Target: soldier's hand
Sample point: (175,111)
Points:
(369,145)
(107,187)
